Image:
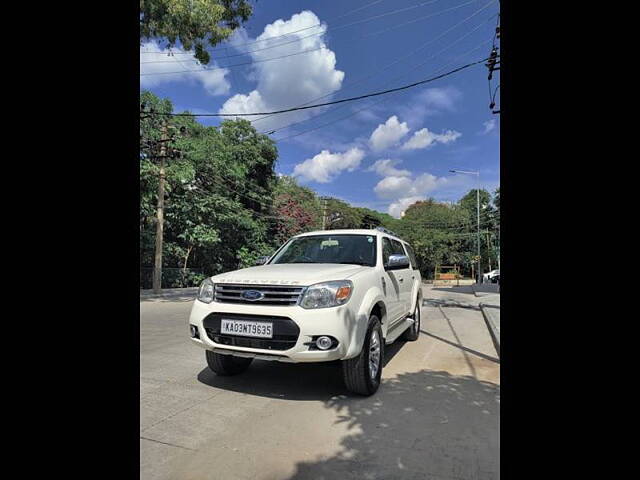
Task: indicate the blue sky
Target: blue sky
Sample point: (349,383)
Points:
(382,153)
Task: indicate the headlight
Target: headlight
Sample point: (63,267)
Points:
(206,293)
(327,294)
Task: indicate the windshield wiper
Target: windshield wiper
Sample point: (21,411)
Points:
(356,263)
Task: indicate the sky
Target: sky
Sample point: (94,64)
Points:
(383,153)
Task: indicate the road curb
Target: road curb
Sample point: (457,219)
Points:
(493,323)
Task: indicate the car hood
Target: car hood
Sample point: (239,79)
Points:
(289,274)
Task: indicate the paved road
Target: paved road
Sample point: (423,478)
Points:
(436,415)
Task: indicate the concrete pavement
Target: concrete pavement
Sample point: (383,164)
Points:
(435,416)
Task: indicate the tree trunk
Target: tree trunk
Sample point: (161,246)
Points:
(186,259)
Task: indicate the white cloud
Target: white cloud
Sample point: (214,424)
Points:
(403,191)
(397,209)
(388,133)
(392,188)
(325,166)
(488,126)
(386,168)
(424,139)
(289,81)
(213,81)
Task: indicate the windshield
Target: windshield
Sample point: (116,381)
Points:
(350,249)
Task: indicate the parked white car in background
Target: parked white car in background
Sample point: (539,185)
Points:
(323,296)
(491,277)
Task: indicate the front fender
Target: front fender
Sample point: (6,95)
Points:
(373,296)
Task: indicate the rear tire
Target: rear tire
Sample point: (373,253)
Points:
(359,374)
(225,365)
(412,333)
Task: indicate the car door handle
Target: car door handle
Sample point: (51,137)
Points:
(401,280)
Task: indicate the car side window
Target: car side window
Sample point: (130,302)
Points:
(412,256)
(397,248)
(387,250)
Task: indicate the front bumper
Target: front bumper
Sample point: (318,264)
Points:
(338,322)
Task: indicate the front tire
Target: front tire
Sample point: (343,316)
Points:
(362,374)
(412,333)
(225,365)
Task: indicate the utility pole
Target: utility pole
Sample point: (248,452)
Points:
(157,269)
(489,249)
(478,209)
(498,247)
(324,212)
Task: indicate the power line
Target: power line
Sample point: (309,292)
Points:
(307,36)
(378,71)
(339,119)
(206,69)
(375,17)
(224,186)
(400,76)
(351,99)
(375,103)
(393,27)
(431,57)
(187,70)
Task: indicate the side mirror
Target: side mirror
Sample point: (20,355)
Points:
(262,260)
(397,262)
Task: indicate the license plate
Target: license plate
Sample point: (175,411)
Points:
(246,328)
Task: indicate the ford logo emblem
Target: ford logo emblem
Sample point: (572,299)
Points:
(252,295)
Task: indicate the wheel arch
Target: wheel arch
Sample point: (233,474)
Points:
(379,309)
(372,303)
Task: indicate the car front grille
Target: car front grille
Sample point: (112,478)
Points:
(272,294)
(285,332)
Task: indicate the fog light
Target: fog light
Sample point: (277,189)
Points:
(194,331)
(324,343)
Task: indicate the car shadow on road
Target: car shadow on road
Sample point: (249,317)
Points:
(419,425)
(426,424)
(444,302)
(300,381)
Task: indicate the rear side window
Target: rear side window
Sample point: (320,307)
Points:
(412,256)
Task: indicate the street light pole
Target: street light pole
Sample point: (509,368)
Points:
(478,210)
(477,174)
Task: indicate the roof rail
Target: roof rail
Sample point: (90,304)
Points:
(387,231)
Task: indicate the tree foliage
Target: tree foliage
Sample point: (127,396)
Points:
(193,23)
(219,192)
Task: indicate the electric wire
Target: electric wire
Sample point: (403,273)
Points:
(284,34)
(344,100)
(375,103)
(386,67)
(306,36)
(375,17)
(367,107)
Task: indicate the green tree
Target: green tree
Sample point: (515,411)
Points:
(341,215)
(438,232)
(487,224)
(193,23)
(218,211)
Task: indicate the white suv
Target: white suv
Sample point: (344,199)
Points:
(323,296)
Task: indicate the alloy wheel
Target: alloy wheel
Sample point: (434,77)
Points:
(374,354)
